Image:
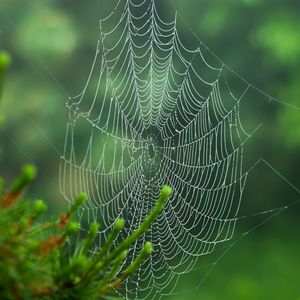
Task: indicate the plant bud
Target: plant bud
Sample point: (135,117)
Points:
(39,207)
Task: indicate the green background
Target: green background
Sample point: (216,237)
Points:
(53,44)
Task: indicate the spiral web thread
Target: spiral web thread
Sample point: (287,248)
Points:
(155,111)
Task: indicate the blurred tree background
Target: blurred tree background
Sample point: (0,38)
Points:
(53,43)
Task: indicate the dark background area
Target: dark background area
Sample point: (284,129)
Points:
(53,43)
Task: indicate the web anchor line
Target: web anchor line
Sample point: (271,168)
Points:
(262,160)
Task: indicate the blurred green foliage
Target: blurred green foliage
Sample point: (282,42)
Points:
(53,43)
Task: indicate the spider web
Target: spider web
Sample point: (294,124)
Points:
(157,110)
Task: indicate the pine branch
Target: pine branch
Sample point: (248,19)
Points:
(38,260)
